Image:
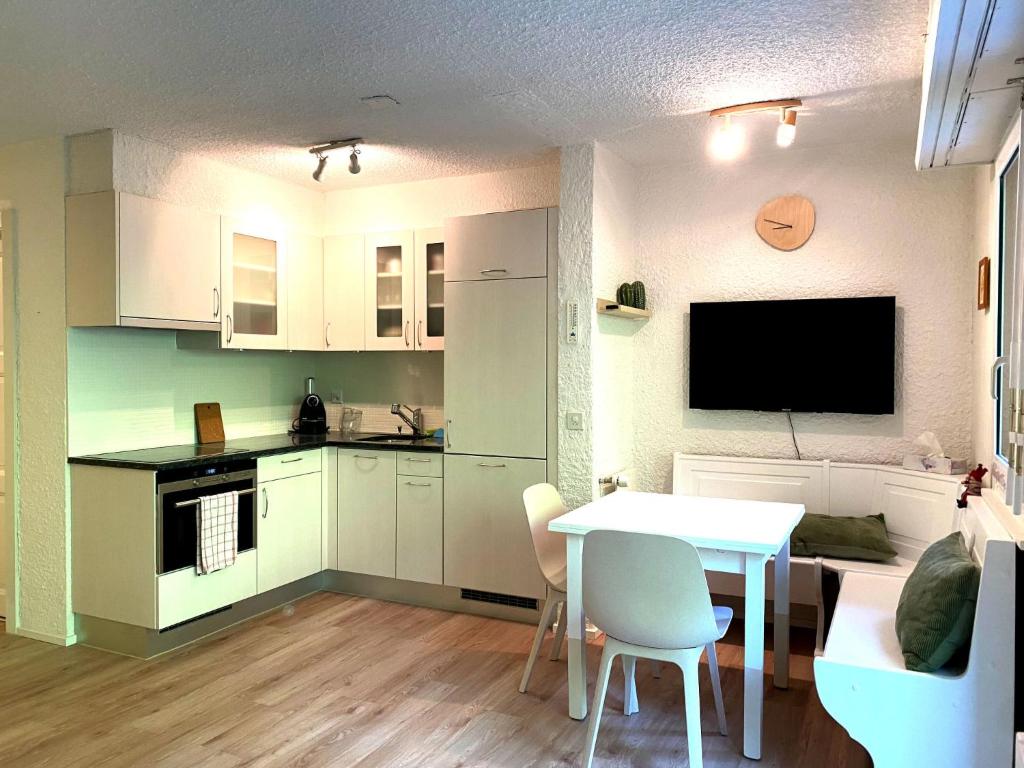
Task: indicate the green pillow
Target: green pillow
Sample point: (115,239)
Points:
(935,614)
(851,538)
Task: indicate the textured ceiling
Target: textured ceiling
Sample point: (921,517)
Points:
(483,84)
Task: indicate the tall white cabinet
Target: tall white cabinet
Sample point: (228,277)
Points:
(499,374)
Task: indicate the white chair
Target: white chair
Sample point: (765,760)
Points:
(543,504)
(650,596)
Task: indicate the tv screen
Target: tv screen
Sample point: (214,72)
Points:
(809,355)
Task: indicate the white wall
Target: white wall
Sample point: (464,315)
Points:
(595,378)
(575,283)
(427,203)
(882,229)
(614,222)
(32,197)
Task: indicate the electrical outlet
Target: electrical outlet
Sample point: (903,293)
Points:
(336,396)
(574,420)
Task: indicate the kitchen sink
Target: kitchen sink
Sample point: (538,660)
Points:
(388,439)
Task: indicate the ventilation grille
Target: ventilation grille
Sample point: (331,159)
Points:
(530,603)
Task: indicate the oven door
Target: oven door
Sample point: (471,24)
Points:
(176,526)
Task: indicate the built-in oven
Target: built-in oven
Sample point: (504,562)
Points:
(178,494)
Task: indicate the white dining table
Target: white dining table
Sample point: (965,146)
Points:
(732,536)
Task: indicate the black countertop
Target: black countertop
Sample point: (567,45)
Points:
(181,456)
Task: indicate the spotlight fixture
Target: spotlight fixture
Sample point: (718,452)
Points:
(321,150)
(786,131)
(320,165)
(727,141)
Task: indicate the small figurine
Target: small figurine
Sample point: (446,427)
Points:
(972,484)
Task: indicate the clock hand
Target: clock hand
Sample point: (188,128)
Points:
(780,224)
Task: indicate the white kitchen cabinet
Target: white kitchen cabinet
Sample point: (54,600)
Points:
(495,367)
(367,511)
(494,246)
(429,276)
(487,542)
(389,291)
(305,292)
(288,530)
(133,261)
(420,530)
(343,294)
(254,283)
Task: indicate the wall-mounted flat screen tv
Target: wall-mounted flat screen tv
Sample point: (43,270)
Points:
(803,355)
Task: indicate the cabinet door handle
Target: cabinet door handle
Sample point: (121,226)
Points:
(493,271)
(419,333)
(368,458)
(266,503)
(418,485)
(418,461)
(290,461)
(405,333)
(448,434)
(492,466)
(216,302)
(231,329)
(327,335)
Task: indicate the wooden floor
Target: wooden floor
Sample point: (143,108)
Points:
(345,681)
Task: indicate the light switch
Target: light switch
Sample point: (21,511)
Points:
(574,420)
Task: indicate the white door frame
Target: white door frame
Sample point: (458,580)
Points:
(11,498)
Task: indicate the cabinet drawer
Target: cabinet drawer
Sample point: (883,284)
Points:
(494,246)
(421,464)
(287,465)
(419,551)
(183,595)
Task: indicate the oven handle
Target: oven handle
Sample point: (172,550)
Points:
(193,502)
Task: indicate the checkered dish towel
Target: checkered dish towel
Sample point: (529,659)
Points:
(216,532)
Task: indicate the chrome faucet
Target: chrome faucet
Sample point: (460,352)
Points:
(416,422)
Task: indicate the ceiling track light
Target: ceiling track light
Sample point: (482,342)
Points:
(321,150)
(727,140)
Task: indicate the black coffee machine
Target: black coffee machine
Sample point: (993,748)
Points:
(312,414)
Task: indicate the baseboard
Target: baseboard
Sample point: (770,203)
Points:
(46,637)
(426,595)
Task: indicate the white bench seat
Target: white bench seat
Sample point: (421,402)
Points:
(951,719)
(900,567)
(864,625)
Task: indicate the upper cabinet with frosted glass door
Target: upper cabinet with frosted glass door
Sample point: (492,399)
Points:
(253,280)
(429,249)
(390,288)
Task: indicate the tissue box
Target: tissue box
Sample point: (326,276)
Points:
(937,464)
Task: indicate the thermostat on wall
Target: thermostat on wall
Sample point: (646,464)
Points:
(572,321)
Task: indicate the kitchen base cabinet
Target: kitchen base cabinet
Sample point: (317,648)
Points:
(420,550)
(288,530)
(366,511)
(487,542)
(183,594)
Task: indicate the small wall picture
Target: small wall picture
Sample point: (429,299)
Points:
(983,282)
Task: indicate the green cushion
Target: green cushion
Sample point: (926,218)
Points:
(851,538)
(935,614)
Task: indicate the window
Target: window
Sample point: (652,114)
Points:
(1007,260)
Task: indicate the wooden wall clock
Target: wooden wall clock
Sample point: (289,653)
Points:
(786,222)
